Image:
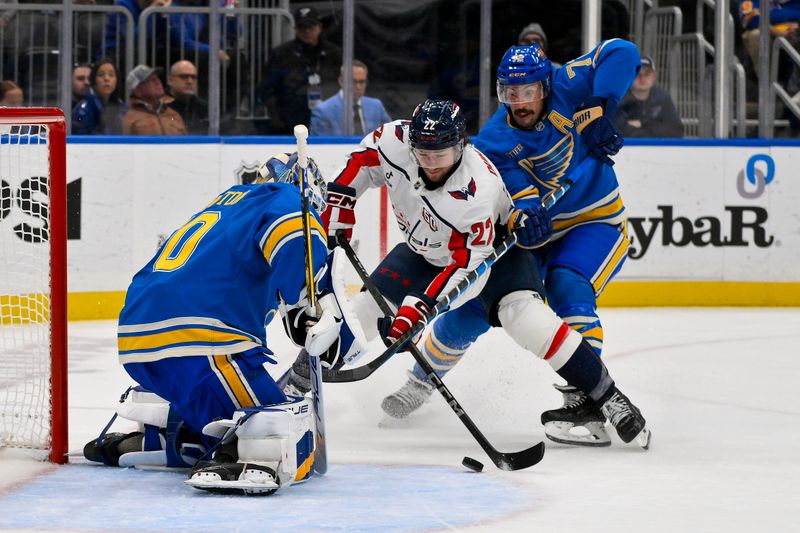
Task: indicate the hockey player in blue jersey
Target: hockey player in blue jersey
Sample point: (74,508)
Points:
(192,334)
(554,124)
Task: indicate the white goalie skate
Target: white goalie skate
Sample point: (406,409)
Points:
(235,478)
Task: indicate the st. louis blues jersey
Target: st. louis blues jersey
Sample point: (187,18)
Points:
(215,283)
(534,162)
(451,226)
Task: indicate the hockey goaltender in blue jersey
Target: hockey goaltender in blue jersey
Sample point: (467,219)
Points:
(196,284)
(533,162)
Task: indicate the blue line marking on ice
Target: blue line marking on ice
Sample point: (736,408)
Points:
(352,497)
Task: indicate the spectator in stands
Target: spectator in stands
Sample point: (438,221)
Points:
(116,30)
(11,94)
(299,74)
(149,112)
(100,112)
(534,33)
(80,82)
(368,113)
(647,110)
(784,18)
(182,84)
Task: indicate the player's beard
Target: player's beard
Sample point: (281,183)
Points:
(526,117)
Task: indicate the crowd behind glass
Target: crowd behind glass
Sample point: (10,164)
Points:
(403,54)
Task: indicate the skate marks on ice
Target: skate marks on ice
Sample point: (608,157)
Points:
(352,497)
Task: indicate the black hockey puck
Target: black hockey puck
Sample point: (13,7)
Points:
(472,464)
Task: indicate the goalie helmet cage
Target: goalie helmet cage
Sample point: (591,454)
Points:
(33,284)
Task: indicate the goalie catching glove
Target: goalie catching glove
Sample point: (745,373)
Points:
(599,135)
(415,308)
(340,213)
(532,224)
(318,335)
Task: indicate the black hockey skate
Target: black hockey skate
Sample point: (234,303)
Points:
(626,419)
(234,478)
(112,446)
(580,422)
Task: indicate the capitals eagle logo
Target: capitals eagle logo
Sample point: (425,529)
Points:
(465,192)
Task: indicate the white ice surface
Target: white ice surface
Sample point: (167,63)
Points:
(717,386)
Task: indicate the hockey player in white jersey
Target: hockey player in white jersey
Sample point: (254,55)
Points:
(450,204)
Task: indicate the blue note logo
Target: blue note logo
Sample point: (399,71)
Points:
(752,180)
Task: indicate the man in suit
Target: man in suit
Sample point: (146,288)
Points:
(368,113)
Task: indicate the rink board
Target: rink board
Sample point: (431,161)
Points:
(709,222)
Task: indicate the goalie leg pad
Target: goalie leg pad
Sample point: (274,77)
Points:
(163,439)
(536,327)
(279,436)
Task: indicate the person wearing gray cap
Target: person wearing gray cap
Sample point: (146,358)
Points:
(300,74)
(647,110)
(534,33)
(149,112)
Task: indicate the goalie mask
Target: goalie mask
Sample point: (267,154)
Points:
(283,168)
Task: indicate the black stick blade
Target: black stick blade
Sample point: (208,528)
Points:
(518,460)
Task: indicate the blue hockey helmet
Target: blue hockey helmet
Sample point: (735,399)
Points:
(523,75)
(437,133)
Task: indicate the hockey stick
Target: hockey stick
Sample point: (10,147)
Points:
(347,375)
(503,460)
(315,367)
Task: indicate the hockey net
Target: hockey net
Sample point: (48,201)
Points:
(33,322)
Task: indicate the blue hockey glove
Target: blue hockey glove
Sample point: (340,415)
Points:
(532,224)
(599,135)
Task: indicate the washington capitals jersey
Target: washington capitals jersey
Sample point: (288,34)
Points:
(534,162)
(215,283)
(451,226)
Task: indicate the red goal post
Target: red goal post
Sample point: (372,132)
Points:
(33,281)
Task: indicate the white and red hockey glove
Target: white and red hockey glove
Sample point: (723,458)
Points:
(340,213)
(414,309)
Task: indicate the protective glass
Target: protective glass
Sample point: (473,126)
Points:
(445,157)
(520,94)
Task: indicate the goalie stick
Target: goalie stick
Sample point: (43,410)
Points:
(503,460)
(346,375)
(315,367)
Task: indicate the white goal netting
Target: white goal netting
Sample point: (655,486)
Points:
(25,344)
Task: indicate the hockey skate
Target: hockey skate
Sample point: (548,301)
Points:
(234,478)
(626,419)
(580,422)
(296,381)
(408,398)
(112,446)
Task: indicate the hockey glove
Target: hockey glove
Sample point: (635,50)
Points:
(532,224)
(340,213)
(599,135)
(318,335)
(413,310)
